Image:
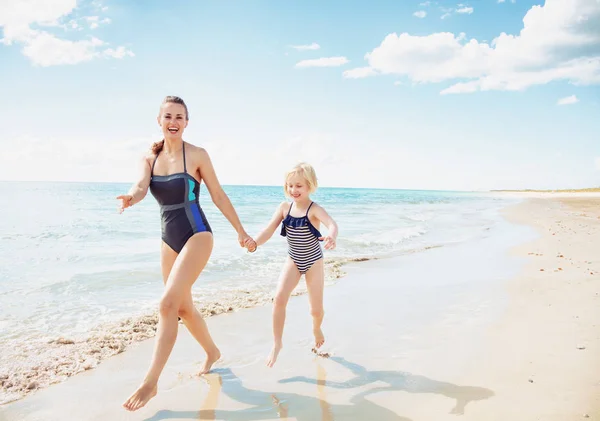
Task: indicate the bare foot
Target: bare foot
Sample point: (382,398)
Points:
(210,360)
(319,338)
(273,355)
(140,397)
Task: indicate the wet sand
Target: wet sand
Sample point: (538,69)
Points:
(471,330)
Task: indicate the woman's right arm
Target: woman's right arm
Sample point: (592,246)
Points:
(267,233)
(139,189)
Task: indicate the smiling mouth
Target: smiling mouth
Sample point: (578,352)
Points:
(173,130)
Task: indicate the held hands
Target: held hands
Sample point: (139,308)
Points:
(246,241)
(329,242)
(250,244)
(125,202)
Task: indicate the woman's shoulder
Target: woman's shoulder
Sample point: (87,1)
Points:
(147,157)
(195,150)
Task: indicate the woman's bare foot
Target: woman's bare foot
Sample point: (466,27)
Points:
(140,397)
(211,358)
(273,355)
(319,338)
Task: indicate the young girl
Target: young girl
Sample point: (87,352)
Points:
(300,224)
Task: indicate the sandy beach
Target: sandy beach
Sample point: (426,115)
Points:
(507,330)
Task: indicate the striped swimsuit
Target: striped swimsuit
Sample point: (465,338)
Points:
(303,240)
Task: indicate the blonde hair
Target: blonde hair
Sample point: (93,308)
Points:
(307,172)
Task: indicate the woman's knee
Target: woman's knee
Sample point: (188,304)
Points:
(186,311)
(168,306)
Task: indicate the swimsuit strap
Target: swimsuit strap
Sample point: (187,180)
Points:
(183,147)
(153,164)
(292,204)
(311,203)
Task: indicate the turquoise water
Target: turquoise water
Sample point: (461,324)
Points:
(69,262)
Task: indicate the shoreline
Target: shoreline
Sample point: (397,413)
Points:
(70,355)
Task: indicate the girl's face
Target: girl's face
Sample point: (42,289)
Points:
(172,120)
(297,187)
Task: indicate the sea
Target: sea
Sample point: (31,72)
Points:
(80,282)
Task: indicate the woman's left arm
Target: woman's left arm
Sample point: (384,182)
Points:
(220,198)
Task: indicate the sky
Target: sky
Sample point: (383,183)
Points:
(441,95)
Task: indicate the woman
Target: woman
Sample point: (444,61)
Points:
(173,172)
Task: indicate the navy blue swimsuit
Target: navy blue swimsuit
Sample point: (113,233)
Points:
(181,214)
(303,240)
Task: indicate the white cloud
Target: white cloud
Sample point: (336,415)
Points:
(501,1)
(420,14)
(95,21)
(323,62)
(460,9)
(313,46)
(559,41)
(44,48)
(568,100)
(425,3)
(120,52)
(465,10)
(359,72)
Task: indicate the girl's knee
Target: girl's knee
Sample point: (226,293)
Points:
(317,313)
(280,301)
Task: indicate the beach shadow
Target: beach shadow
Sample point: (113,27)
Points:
(277,405)
(401,381)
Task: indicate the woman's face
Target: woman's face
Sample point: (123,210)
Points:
(172,120)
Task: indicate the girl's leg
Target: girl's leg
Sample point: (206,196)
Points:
(189,315)
(287,282)
(186,269)
(315,282)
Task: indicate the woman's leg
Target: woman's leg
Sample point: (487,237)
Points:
(189,315)
(287,282)
(315,282)
(184,272)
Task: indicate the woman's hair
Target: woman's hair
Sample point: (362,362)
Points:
(307,172)
(157,146)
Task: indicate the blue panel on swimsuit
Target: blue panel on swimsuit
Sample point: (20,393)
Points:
(191,194)
(197,218)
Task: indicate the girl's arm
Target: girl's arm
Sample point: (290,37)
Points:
(220,198)
(332,228)
(267,233)
(139,189)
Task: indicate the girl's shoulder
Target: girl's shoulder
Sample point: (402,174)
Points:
(315,206)
(284,207)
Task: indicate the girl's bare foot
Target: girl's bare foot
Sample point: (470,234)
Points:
(211,358)
(319,338)
(274,353)
(140,397)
